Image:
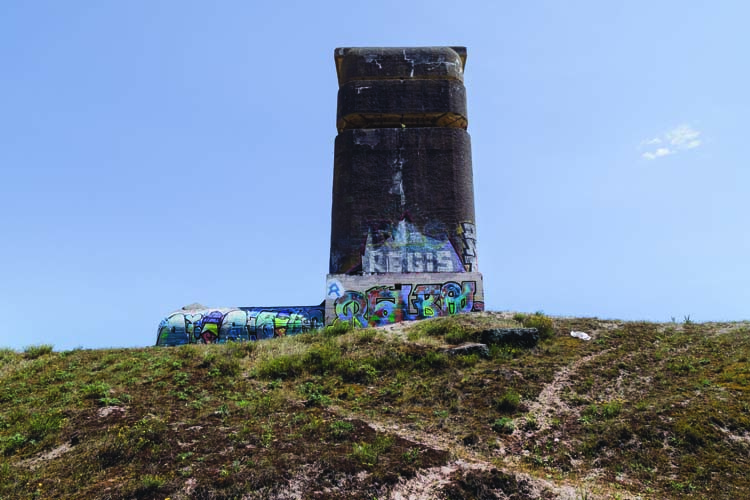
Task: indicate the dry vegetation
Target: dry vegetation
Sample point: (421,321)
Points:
(642,410)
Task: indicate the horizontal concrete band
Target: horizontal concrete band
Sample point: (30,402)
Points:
(395,139)
(379,299)
(373,63)
(384,178)
(351,282)
(396,103)
(393,120)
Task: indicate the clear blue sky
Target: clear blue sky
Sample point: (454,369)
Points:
(158,153)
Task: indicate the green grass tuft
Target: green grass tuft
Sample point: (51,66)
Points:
(37,351)
(509,402)
(544,324)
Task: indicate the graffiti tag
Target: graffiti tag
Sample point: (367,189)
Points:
(238,324)
(383,305)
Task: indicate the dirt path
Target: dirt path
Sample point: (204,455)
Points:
(429,483)
(550,403)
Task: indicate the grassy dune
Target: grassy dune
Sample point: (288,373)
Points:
(642,410)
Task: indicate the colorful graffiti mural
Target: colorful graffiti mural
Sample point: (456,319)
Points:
(406,250)
(381,305)
(208,326)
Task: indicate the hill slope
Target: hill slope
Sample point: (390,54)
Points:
(642,410)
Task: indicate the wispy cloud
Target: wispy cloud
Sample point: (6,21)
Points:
(684,137)
(658,153)
(649,142)
(678,139)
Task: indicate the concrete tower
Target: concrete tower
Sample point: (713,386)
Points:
(403,233)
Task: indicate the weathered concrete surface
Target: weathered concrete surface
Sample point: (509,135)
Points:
(468,348)
(403,234)
(403,193)
(369,63)
(197,324)
(380,299)
(382,177)
(401,103)
(521,337)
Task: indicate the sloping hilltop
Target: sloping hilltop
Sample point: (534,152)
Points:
(642,410)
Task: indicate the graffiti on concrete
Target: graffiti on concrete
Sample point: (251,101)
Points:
(406,250)
(335,289)
(208,326)
(381,305)
(468,233)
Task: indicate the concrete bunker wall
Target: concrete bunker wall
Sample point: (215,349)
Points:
(403,231)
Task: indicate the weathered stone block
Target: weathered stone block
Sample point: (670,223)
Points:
(369,63)
(401,103)
(405,188)
(521,337)
(468,348)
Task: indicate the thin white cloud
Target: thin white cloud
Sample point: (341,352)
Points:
(684,137)
(658,153)
(650,142)
(680,138)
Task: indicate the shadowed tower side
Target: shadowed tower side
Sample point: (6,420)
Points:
(403,233)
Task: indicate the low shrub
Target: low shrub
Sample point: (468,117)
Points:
(508,402)
(458,336)
(43,424)
(368,453)
(503,425)
(10,444)
(239,349)
(322,358)
(281,367)
(432,360)
(226,366)
(315,394)
(604,411)
(337,329)
(356,371)
(340,429)
(365,336)
(538,320)
(449,328)
(6,355)
(36,351)
(95,390)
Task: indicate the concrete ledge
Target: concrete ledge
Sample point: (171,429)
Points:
(368,63)
(381,299)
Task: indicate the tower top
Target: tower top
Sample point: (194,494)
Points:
(400,63)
